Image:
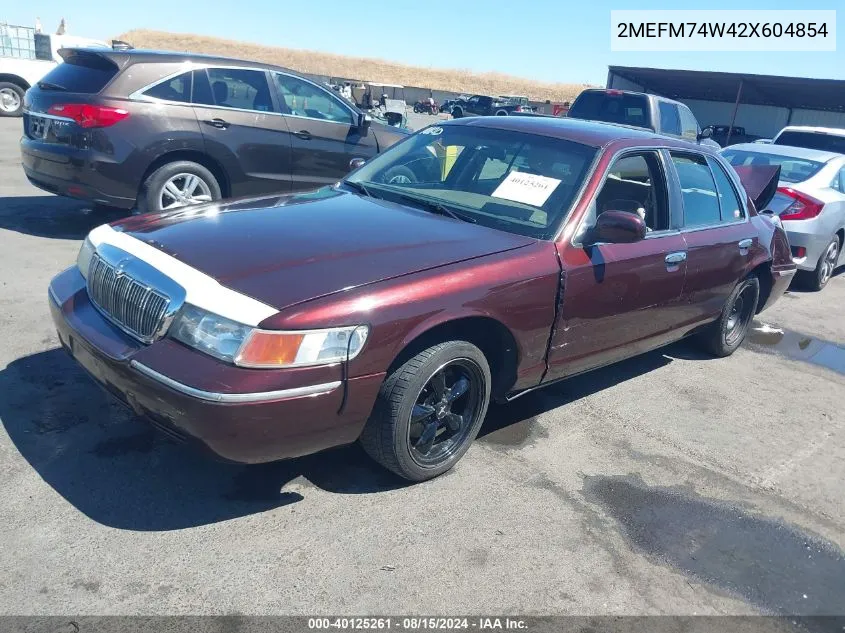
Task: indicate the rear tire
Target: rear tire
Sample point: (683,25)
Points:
(723,337)
(154,198)
(817,279)
(11,99)
(447,414)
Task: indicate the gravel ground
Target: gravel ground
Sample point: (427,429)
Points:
(672,483)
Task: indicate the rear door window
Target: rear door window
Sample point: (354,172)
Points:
(698,190)
(612,107)
(729,201)
(670,121)
(82,72)
(240,89)
(175,89)
(838,182)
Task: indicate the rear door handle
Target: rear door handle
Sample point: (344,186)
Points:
(220,124)
(305,135)
(745,244)
(673,259)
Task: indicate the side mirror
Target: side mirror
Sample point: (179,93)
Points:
(364,121)
(394,119)
(618,227)
(355,163)
(705,133)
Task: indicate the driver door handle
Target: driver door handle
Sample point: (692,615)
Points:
(745,244)
(220,124)
(305,135)
(672,259)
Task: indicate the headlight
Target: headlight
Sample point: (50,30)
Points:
(249,347)
(268,348)
(209,333)
(83,259)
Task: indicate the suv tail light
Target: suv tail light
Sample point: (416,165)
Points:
(89,116)
(803,207)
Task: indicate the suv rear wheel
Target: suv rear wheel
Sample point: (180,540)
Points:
(178,184)
(11,99)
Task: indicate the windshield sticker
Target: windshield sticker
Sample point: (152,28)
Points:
(434,131)
(526,188)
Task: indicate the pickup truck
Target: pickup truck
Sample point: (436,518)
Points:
(25,57)
(479,105)
(719,133)
(640,109)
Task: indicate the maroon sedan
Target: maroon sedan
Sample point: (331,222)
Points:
(477,259)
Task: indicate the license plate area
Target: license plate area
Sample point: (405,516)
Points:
(39,126)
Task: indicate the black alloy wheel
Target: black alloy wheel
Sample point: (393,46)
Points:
(445,412)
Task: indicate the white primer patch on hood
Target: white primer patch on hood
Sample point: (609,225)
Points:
(201,290)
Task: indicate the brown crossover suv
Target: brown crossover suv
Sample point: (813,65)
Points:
(163,130)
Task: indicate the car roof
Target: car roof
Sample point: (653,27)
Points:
(833,131)
(138,55)
(786,150)
(592,133)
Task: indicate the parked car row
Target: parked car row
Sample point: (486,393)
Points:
(476,260)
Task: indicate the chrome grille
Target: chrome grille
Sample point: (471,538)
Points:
(133,306)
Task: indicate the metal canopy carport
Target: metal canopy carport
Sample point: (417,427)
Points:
(788,92)
(820,100)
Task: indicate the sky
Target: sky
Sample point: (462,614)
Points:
(550,40)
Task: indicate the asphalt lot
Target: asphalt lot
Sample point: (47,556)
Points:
(672,483)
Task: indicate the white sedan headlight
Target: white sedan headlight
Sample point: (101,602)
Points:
(251,347)
(83,259)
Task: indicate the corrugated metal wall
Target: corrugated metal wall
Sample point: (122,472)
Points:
(814,117)
(765,121)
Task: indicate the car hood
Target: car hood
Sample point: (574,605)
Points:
(287,249)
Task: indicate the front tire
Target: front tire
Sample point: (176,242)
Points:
(429,411)
(723,337)
(11,99)
(399,175)
(178,184)
(457,113)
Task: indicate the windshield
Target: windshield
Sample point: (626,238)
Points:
(516,182)
(812,140)
(612,107)
(791,169)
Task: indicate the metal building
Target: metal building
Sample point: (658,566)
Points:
(762,104)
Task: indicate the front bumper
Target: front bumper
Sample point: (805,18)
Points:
(241,415)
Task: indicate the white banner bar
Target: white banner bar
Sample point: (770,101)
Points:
(710,30)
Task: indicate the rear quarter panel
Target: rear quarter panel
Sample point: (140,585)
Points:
(517,288)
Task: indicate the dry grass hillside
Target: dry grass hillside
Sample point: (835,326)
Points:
(356,67)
